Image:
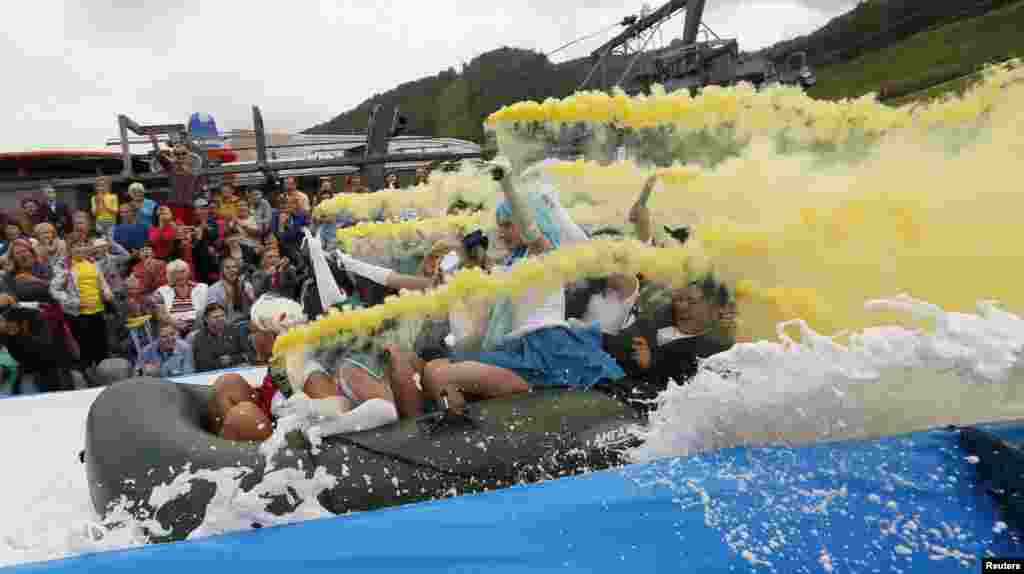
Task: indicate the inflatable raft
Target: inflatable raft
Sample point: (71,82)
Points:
(144,432)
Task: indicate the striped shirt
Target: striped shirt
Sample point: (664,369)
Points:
(183,311)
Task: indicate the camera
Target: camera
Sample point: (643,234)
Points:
(474,240)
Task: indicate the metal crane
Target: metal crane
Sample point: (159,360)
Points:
(691,64)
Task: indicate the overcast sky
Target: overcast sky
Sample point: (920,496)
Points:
(71,67)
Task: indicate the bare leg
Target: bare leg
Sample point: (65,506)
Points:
(321,386)
(246,422)
(402,369)
(229,390)
(364,386)
(479,379)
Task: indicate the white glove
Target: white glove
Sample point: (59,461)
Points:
(296,406)
(378,275)
(300,406)
(313,366)
(369,415)
(500,161)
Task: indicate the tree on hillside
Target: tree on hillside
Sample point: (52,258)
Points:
(493,80)
(455,104)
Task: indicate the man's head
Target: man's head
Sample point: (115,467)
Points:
(254,196)
(243,210)
(291,185)
(14,320)
(80,250)
(216,318)
(698,306)
(45,233)
(422,175)
(227,192)
(101,247)
(81,223)
(326,186)
(133,286)
(30,206)
(168,337)
(11,231)
(50,192)
(202,210)
(182,159)
(22,256)
(104,185)
(271,258)
(391,180)
(357,182)
(146,253)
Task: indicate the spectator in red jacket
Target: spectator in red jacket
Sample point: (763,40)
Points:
(150,272)
(169,237)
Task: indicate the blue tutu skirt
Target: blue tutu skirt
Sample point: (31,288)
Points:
(553,357)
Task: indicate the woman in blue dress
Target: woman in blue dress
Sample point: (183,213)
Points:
(528,342)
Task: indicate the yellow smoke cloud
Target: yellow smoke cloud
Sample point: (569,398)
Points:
(930,204)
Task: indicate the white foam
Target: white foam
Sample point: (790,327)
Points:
(883,381)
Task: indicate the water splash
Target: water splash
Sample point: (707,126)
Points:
(881,381)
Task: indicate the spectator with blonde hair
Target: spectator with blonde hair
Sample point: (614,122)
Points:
(104,206)
(145,209)
(50,247)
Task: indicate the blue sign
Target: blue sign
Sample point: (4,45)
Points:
(202,126)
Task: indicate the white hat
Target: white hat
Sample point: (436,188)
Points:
(276,314)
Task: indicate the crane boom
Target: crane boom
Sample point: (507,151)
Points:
(694,14)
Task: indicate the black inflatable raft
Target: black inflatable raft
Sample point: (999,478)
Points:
(143,432)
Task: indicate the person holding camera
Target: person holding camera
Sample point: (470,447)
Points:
(181,166)
(276,275)
(169,238)
(168,356)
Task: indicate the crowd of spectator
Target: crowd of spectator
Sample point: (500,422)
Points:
(165,285)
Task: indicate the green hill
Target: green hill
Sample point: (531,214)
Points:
(928,58)
(455,104)
(905,45)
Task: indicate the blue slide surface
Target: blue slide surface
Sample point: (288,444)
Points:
(905,504)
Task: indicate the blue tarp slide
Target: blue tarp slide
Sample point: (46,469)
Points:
(905,504)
